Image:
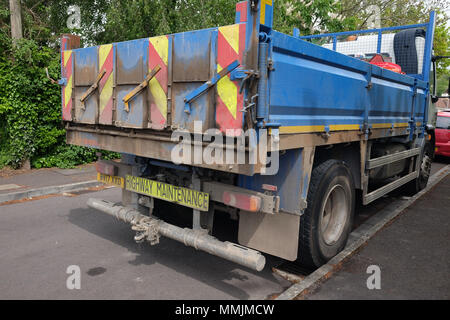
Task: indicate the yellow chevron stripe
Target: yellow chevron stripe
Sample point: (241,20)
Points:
(161,45)
(231,34)
(103,53)
(263,10)
(228,92)
(67,55)
(106,93)
(68,91)
(160,96)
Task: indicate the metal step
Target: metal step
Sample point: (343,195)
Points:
(374,195)
(381,161)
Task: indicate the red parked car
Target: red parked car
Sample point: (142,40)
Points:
(443,134)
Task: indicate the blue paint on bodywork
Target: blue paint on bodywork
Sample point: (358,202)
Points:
(194,62)
(312,85)
(132,68)
(287,181)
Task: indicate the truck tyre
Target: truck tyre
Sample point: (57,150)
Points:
(421,182)
(327,221)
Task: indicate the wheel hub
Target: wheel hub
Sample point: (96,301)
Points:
(334,215)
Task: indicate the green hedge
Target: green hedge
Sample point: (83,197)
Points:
(30,109)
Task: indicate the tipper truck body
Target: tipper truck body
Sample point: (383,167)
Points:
(284,133)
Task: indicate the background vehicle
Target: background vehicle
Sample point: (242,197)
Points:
(443,134)
(345,130)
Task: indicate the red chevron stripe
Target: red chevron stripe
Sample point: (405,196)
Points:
(225,120)
(68,67)
(154,60)
(158,119)
(63,44)
(67,111)
(242,31)
(106,116)
(67,105)
(226,54)
(108,66)
(242,8)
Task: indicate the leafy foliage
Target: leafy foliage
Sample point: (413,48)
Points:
(30,107)
(318,16)
(29,104)
(30,110)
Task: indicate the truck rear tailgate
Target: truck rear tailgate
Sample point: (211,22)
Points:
(98,80)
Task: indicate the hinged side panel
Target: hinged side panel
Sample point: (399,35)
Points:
(85,75)
(193,65)
(132,69)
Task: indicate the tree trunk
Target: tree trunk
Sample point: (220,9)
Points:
(16,34)
(16,20)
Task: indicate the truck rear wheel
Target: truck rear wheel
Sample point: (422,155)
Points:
(421,182)
(327,221)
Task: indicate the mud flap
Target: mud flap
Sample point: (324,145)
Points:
(275,234)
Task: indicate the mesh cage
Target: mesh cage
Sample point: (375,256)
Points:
(400,49)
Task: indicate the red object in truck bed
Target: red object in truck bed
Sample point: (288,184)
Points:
(379,61)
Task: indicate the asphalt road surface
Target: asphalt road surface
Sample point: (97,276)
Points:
(40,239)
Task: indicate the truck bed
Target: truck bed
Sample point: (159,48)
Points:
(232,78)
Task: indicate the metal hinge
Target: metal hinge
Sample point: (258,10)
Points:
(140,87)
(207,85)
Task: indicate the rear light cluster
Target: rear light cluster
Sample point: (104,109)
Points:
(269,187)
(242,201)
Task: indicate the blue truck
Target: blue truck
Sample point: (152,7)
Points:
(285,133)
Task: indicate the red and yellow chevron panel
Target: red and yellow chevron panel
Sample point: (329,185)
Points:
(67,89)
(230,47)
(106,62)
(158,55)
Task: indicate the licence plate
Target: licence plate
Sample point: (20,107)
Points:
(160,190)
(116,181)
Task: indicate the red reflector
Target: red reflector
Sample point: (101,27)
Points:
(106,168)
(269,187)
(242,201)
